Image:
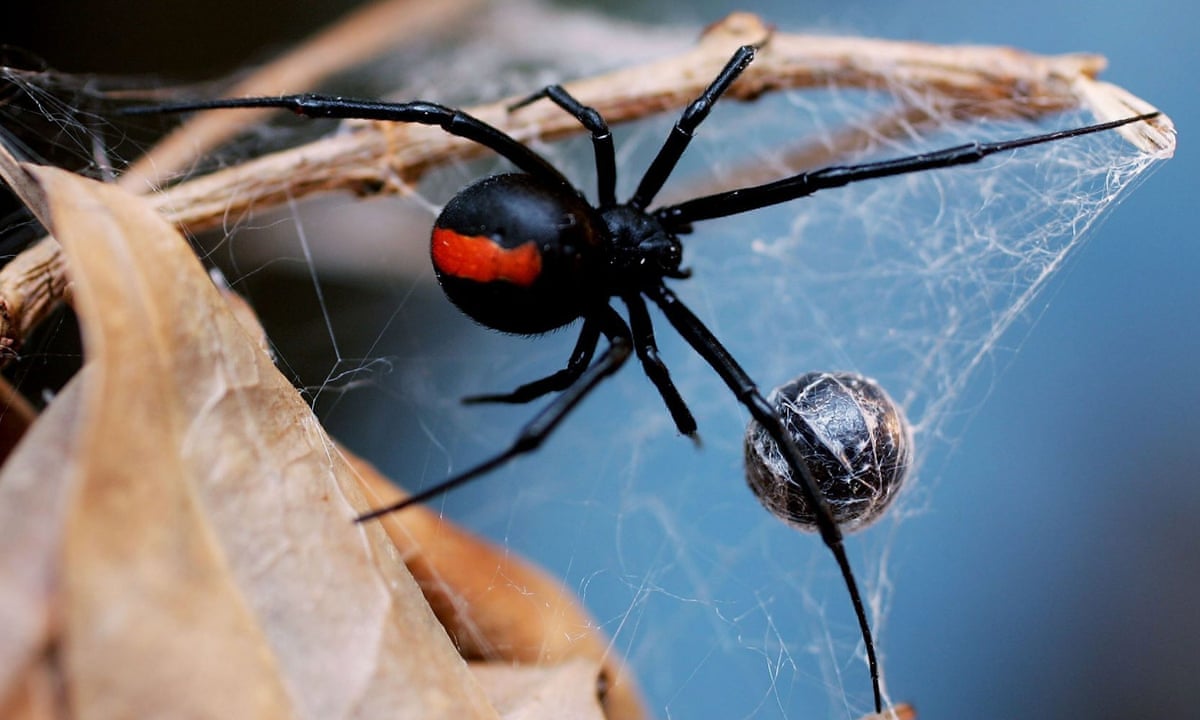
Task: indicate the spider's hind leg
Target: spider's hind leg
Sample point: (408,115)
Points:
(581,356)
(535,432)
(453,121)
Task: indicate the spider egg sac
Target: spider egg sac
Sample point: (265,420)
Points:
(854,438)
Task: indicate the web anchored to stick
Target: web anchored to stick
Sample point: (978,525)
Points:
(913,294)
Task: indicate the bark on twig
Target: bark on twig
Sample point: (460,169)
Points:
(384,157)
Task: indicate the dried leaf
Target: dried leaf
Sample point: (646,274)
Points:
(208,558)
(553,692)
(498,606)
(33,504)
(37,696)
(896,712)
(16,415)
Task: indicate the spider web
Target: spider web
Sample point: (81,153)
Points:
(722,610)
(916,281)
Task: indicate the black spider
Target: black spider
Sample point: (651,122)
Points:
(526,253)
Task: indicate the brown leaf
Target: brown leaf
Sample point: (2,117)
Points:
(552,692)
(498,606)
(896,712)
(16,415)
(37,696)
(209,564)
(34,496)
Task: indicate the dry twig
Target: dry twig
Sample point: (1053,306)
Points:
(380,157)
(957,81)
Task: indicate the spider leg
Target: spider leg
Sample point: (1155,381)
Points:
(585,348)
(655,369)
(454,122)
(715,354)
(682,133)
(537,430)
(733,202)
(602,140)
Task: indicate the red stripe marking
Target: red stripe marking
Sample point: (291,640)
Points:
(482,260)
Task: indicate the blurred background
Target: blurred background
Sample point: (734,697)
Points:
(1047,567)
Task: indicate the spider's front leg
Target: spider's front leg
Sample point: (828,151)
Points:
(647,351)
(602,139)
(453,121)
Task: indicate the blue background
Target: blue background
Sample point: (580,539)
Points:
(1055,574)
(1053,569)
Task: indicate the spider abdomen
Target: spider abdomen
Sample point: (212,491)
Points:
(518,255)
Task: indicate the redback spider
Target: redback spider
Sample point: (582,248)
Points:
(526,253)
